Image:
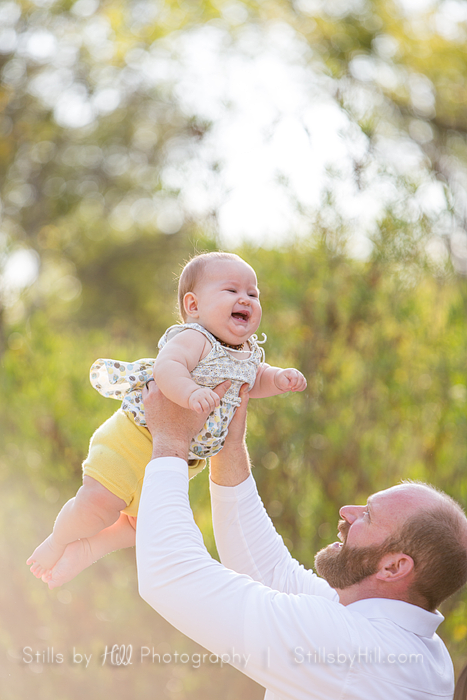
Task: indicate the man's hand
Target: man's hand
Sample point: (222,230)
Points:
(231,465)
(237,427)
(171,426)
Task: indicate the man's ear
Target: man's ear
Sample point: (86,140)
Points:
(394,567)
(190,304)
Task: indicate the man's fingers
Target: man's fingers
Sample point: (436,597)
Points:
(221,389)
(149,388)
(237,426)
(244,394)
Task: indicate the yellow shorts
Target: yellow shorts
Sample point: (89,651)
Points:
(118,454)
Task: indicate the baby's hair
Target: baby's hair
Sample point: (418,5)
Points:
(193,271)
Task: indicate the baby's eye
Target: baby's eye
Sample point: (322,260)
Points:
(234,291)
(253,294)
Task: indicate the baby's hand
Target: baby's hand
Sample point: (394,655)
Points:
(290,380)
(203,400)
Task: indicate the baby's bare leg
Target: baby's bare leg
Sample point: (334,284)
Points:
(84,552)
(93,509)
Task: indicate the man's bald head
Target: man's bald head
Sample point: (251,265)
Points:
(432,529)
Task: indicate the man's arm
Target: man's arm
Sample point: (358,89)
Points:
(245,623)
(246,539)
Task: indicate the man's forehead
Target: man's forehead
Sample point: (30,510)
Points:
(404,497)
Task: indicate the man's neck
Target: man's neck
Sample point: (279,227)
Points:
(365,589)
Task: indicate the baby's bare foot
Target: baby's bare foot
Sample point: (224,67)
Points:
(76,557)
(45,556)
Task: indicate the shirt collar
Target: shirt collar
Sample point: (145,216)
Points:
(409,617)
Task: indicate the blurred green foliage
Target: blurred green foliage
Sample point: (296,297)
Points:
(381,341)
(383,346)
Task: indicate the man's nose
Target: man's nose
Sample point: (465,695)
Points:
(351,513)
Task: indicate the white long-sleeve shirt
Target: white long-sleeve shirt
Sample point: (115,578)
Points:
(278,623)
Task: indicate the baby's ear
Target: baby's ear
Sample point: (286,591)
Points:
(190,304)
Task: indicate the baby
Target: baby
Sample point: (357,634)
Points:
(219,303)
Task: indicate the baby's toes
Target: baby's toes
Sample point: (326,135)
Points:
(37,570)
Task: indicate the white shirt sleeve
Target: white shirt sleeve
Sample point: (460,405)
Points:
(247,624)
(247,542)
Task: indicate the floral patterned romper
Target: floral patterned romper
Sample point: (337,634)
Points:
(125,381)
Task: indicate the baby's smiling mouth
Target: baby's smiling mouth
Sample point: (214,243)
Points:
(241,315)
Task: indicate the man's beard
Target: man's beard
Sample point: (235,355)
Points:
(344,566)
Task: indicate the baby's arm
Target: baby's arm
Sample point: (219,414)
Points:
(273,380)
(172,372)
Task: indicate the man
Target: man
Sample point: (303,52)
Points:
(367,632)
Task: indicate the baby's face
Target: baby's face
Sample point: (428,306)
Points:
(225,301)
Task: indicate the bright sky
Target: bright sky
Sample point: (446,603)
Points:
(278,136)
(275,122)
